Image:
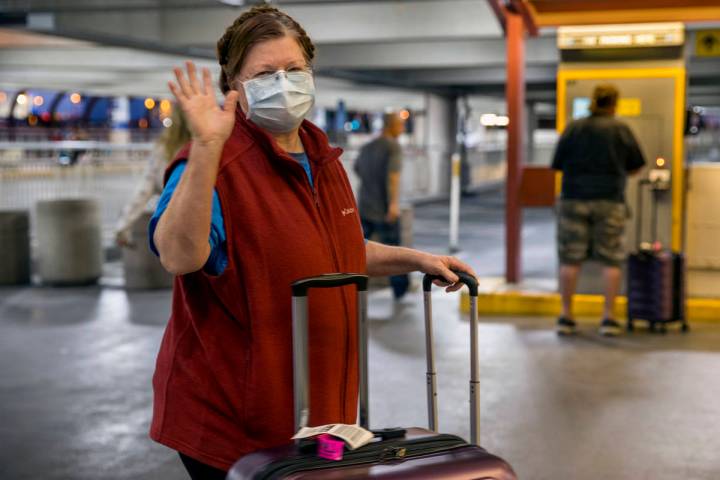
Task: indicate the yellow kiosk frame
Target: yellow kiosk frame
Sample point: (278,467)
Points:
(498,300)
(678,167)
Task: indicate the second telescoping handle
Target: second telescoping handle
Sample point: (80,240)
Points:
(301,383)
(641,184)
(431,376)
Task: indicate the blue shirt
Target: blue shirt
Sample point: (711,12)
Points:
(217,261)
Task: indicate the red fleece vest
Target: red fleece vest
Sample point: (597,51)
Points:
(223,382)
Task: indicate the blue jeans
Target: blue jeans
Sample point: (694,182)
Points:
(389,234)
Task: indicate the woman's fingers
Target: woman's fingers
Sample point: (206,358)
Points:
(193,78)
(182,82)
(177,93)
(445,267)
(207,82)
(231,99)
(456,264)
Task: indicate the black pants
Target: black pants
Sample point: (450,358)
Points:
(201,471)
(389,234)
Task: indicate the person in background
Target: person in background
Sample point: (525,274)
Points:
(256,201)
(595,155)
(378,166)
(151,185)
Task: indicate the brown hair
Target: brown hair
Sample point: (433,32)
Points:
(258,24)
(605,97)
(176,135)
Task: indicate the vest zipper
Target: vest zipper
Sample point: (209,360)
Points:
(336,262)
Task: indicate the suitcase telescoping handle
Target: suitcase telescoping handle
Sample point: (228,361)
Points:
(472,285)
(640,212)
(300,340)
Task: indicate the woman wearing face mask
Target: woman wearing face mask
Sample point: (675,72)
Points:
(257,200)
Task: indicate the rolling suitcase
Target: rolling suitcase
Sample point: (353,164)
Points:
(412,453)
(655,280)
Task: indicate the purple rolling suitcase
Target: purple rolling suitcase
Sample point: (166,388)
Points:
(655,281)
(412,453)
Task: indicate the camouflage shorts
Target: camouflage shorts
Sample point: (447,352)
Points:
(591,229)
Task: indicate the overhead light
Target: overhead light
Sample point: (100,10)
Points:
(615,40)
(488,119)
(493,120)
(165,106)
(233,3)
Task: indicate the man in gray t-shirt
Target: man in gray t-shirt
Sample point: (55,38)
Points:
(378,166)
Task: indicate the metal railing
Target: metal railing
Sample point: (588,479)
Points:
(109,173)
(32,170)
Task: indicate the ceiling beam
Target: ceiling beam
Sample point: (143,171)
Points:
(709,13)
(499,12)
(521,7)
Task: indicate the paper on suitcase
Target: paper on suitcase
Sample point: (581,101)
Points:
(354,435)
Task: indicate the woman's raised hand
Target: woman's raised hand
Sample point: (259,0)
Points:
(209,124)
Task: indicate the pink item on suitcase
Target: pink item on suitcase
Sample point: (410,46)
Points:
(329,448)
(412,453)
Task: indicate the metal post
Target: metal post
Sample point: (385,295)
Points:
(431,377)
(455,162)
(300,358)
(515,95)
(474,374)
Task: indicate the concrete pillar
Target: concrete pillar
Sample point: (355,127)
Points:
(142,268)
(69,241)
(14,247)
(440,130)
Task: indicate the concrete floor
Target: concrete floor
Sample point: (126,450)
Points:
(75,369)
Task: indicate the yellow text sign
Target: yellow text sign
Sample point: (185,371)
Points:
(629,107)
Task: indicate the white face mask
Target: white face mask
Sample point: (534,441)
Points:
(278,102)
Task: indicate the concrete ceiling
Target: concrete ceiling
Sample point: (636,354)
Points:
(129,46)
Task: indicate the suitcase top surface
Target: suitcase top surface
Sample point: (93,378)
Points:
(459,463)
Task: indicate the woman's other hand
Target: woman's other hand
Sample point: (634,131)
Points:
(444,265)
(209,124)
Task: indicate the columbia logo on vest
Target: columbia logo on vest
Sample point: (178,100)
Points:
(347,211)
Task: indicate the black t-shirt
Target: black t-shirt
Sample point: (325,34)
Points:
(376,160)
(595,154)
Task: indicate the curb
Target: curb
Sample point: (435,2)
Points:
(548,305)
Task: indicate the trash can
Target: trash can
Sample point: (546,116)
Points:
(14,247)
(142,268)
(69,241)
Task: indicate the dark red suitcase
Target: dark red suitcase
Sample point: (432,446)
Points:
(655,279)
(420,453)
(656,289)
